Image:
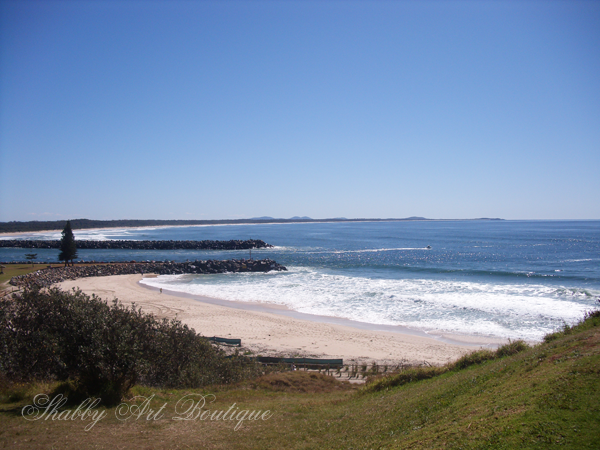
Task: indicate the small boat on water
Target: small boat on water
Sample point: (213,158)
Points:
(428,247)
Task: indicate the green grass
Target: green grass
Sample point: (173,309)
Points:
(414,374)
(540,397)
(12,270)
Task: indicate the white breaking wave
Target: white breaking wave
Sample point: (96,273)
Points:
(503,310)
(374,250)
(108,234)
(102,234)
(367,250)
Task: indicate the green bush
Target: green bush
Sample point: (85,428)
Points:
(409,375)
(512,348)
(102,350)
(590,319)
(470,359)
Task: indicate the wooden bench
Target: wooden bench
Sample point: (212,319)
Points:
(226,341)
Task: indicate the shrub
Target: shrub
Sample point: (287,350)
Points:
(470,359)
(590,319)
(552,336)
(406,376)
(102,350)
(512,348)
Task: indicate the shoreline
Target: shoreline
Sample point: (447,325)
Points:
(267,330)
(146,227)
(267,222)
(474,341)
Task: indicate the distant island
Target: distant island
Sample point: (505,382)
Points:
(273,218)
(82,224)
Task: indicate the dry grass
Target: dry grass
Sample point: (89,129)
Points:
(289,396)
(300,381)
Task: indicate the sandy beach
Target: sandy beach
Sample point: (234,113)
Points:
(270,333)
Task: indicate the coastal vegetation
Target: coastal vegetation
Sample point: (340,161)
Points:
(67,245)
(80,224)
(519,396)
(31,257)
(101,350)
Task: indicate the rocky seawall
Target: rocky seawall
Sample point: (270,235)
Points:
(49,276)
(141,245)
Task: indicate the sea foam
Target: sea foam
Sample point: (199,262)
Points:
(503,310)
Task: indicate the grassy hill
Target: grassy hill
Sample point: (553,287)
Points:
(547,396)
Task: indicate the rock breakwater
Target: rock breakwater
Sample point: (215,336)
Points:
(49,276)
(141,245)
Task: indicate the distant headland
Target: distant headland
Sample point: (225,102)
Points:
(82,224)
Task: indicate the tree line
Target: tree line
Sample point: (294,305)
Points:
(81,224)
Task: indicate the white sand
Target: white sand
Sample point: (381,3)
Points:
(268,333)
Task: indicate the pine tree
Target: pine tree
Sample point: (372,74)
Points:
(30,257)
(68,249)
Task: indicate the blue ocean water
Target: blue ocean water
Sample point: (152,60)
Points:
(508,279)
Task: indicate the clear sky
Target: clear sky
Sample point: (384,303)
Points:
(238,109)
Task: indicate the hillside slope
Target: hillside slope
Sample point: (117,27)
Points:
(542,397)
(546,396)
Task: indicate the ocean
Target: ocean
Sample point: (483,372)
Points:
(504,279)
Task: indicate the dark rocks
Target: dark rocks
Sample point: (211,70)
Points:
(46,277)
(142,245)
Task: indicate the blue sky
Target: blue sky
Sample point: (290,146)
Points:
(237,109)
